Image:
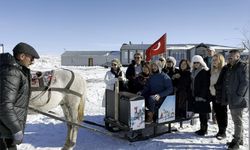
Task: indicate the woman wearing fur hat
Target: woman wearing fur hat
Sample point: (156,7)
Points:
(157,88)
(171,70)
(200,92)
(113,75)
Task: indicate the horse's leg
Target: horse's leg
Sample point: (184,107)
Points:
(66,112)
(73,110)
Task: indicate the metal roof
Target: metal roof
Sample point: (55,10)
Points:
(173,46)
(74,53)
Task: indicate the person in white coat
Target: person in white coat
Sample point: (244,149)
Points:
(113,75)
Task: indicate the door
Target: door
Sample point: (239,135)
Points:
(90,62)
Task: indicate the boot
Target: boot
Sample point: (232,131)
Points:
(234,145)
(202,131)
(221,134)
(149,118)
(240,142)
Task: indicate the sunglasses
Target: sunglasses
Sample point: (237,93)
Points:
(137,57)
(161,60)
(196,62)
(113,64)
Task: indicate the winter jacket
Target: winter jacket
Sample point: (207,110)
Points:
(111,77)
(183,92)
(171,72)
(213,79)
(141,81)
(14,95)
(208,61)
(131,76)
(201,93)
(232,85)
(158,83)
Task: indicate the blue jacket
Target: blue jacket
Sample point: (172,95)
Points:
(158,83)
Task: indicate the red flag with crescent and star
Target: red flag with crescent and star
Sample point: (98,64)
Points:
(156,48)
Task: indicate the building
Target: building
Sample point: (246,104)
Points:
(179,51)
(88,58)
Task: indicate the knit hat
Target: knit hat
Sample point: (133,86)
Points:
(158,64)
(162,62)
(117,62)
(211,49)
(198,58)
(162,59)
(26,49)
(170,58)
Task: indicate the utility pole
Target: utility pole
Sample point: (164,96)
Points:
(1,48)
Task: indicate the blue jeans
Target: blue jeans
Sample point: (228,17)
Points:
(152,104)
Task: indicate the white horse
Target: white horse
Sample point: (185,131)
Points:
(60,87)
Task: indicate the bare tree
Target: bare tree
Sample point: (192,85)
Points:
(246,41)
(246,38)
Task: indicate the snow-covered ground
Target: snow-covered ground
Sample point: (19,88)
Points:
(43,133)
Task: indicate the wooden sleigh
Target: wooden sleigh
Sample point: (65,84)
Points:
(125,113)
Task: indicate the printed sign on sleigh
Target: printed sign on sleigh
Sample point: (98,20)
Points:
(167,110)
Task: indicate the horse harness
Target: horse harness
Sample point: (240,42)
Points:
(42,82)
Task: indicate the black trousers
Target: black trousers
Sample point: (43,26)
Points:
(6,144)
(203,119)
(221,115)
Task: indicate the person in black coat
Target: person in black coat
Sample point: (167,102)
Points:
(200,92)
(183,90)
(171,71)
(133,71)
(143,76)
(233,87)
(14,94)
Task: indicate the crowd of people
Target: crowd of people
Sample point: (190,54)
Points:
(197,85)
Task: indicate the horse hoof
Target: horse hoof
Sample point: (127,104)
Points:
(69,146)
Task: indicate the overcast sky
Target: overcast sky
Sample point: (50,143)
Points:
(53,26)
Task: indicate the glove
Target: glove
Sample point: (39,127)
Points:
(18,138)
(200,99)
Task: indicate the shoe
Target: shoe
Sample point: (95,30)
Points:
(201,132)
(234,145)
(221,136)
(240,143)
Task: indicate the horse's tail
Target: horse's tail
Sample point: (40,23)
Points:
(82,103)
(81,109)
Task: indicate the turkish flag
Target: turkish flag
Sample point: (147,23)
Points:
(157,48)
